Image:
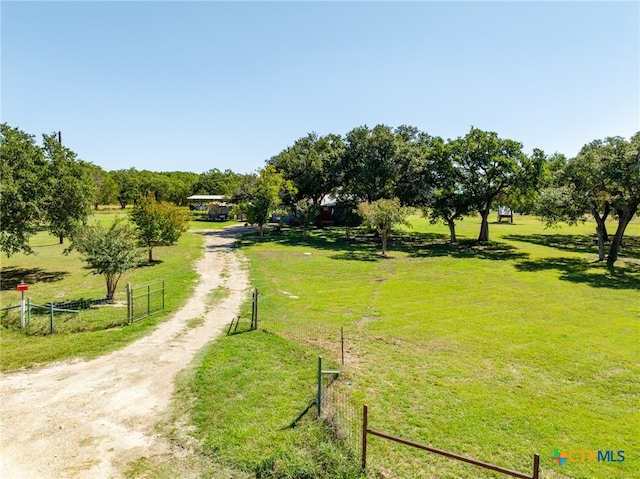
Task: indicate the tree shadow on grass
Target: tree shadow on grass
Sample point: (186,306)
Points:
(365,246)
(356,248)
(11,277)
(466,248)
(80,304)
(578,243)
(595,274)
(146,263)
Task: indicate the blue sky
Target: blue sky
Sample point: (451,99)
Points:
(191,86)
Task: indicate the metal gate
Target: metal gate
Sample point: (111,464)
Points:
(144,300)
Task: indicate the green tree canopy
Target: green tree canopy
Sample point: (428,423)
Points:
(22,189)
(383,215)
(603,179)
(370,163)
(128,182)
(216,182)
(265,196)
(71,189)
(158,223)
(106,189)
(491,167)
(109,251)
(448,201)
(312,165)
(306,212)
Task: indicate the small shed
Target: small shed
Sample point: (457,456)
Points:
(213,204)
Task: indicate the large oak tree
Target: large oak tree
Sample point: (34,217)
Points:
(490,167)
(23,189)
(312,165)
(71,189)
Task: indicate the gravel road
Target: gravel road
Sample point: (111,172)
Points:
(89,419)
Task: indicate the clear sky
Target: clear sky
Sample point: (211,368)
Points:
(191,86)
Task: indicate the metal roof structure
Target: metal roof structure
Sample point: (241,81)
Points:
(206,197)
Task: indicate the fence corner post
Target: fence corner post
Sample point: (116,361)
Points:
(536,466)
(365,427)
(51,318)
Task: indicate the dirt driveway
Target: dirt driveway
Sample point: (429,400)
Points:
(88,419)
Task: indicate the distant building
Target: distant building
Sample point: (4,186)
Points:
(215,205)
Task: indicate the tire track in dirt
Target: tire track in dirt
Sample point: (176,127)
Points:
(89,419)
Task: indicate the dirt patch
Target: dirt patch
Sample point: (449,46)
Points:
(90,419)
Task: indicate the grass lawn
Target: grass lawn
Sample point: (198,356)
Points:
(53,276)
(495,351)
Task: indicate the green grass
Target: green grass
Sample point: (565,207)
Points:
(53,276)
(245,419)
(495,351)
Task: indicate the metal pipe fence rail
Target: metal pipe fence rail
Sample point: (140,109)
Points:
(51,310)
(475,462)
(72,316)
(144,301)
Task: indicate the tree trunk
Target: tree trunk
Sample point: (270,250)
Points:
(61,239)
(484,227)
(452,230)
(600,244)
(260,228)
(601,222)
(111,285)
(623,220)
(383,237)
(150,254)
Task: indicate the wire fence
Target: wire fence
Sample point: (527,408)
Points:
(340,411)
(75,316)
(334,401)
(83,315)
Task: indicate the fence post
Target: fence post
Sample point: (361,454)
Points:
(254,310)
(319,397)
(51,318)
(253,306)
(536,466)
(28,311)
(22,307)
(365,427)
(163,294)
(129,305)
(148,300)
(342,344)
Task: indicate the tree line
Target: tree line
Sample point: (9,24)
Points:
(47,184)
(445,179)
(448,179)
